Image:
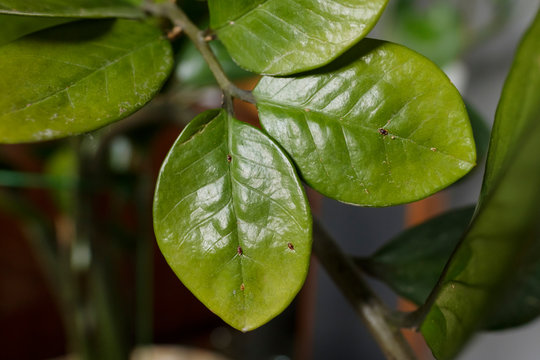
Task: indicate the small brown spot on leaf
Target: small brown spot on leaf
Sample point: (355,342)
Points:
(240,251)
(383,131)
(433,149)
(242,287)
(453,286)
(231,22)
(307,110)
(290,246)
(229,158)
(393,137)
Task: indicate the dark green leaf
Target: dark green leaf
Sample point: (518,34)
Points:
(78,77)
(285,37)
(520,302)
(232,220)
(13,27)
(503,229)
(381,126)
(72,8)
(412,263)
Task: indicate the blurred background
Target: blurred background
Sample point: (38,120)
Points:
(81,262)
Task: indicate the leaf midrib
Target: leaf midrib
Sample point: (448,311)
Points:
(331,117)
(229,121)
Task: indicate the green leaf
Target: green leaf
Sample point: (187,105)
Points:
(412,262)
(381,126)
(13,27)
(519,100)
(78,77)
(503,231)
(520,302)
(232,220)
(280,37)
(72,8)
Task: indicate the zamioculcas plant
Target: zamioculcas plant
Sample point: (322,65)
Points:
(363,121)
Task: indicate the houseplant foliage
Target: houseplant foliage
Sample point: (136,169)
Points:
(362,121)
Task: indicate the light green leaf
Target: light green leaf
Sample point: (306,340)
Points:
(412,262)
(78,77)
(13,27)
(72,8)
(280,37)
(381,126)
(232,220)
(503,230)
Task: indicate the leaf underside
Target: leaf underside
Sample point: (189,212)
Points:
(78,77)
(381,126)
(412,262)
(232,220)
(504,231)
(13,27)
(72,8)
(280,37)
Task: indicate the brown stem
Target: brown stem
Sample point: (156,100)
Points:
(371,309)
(199,38)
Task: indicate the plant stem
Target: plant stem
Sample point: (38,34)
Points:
(179,18)
(351,283)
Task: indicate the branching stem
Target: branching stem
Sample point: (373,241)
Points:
(199,38)
(340,267)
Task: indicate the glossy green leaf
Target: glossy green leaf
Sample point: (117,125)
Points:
(232,220)
(78,77)
(72,8)
(285,37)
(503,230)
(381,126)
(13,27)
(412,262)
